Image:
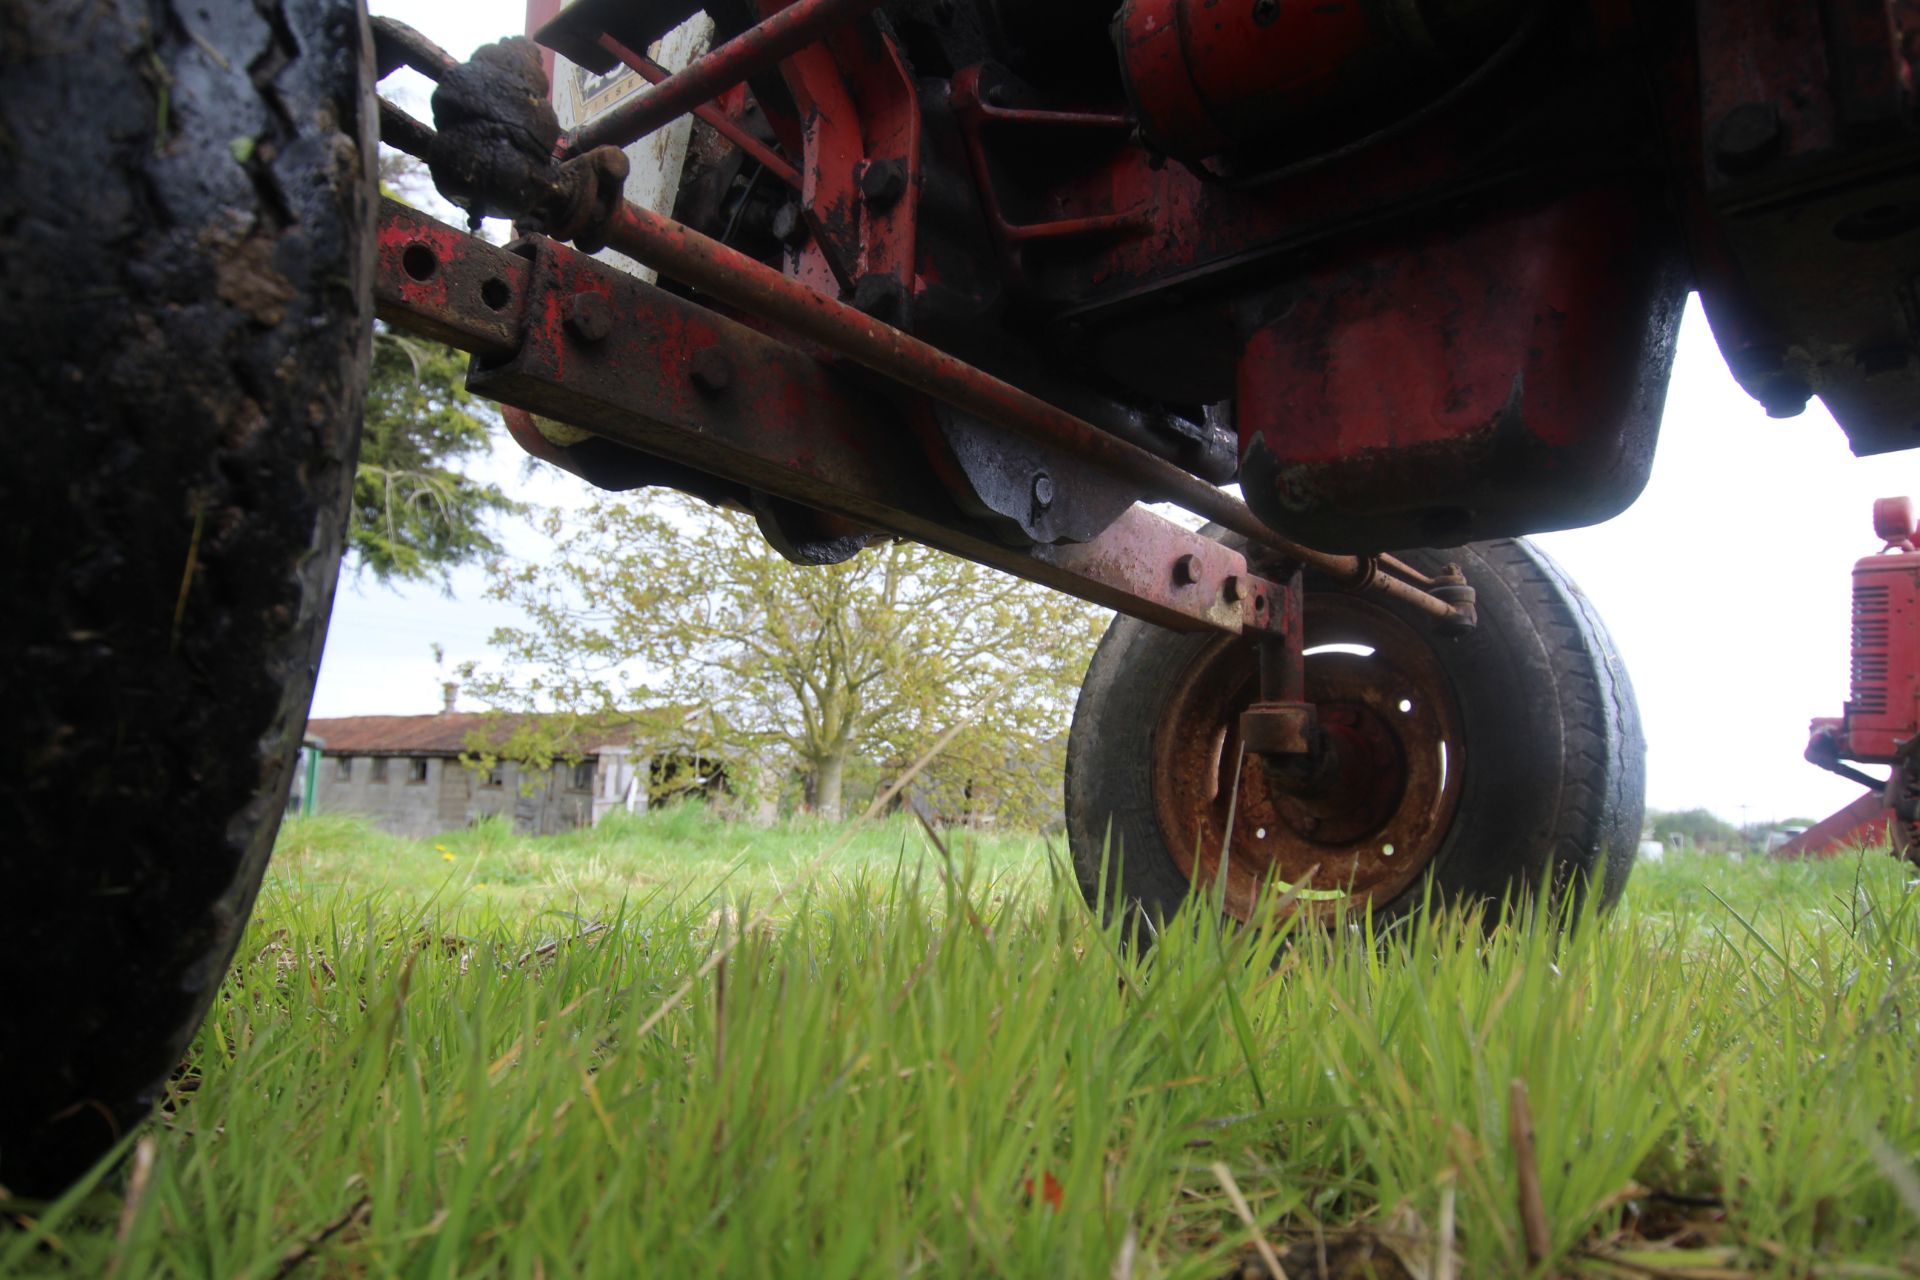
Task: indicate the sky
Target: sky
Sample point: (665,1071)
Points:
(1726,586)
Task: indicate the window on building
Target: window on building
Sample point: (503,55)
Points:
(496,776)
(379,771)
(583,776)
(343,768)
(416,770)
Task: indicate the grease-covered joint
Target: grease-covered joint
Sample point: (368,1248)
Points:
(493,155)
(584,199)
(1450,588)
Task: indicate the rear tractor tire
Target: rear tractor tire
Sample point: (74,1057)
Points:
(1502,764)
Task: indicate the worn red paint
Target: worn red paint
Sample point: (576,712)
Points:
(1527,354)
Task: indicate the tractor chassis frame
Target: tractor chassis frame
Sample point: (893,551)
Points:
(703,402)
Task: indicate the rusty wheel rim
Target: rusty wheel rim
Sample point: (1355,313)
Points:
(1387,706)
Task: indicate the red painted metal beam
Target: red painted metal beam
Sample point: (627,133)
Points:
(754,50)
(1864,822)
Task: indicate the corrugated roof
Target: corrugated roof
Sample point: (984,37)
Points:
(449,733)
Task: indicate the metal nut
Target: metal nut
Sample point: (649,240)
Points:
(588,316)
(710,370)
(1232,588)
(1042,490)
(883,182)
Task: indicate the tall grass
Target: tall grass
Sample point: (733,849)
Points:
(924,1067)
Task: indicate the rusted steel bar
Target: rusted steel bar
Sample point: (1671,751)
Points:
(441,283)
(395,45)
(754,50)
(706,264)
(403,133)
(654,73)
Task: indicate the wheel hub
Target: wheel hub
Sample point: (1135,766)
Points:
(1364,818)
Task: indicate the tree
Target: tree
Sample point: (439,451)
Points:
(1701,827)
(662,601)
(416,515)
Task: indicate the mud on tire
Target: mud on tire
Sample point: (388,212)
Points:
(185,274)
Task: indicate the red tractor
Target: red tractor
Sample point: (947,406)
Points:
(990,274)
(1880,723)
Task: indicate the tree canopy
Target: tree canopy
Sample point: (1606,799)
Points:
(662,601)
(415,513)
(1702,828)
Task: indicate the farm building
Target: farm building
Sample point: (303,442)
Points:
(421,774)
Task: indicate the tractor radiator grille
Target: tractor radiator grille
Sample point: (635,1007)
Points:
(1870,634)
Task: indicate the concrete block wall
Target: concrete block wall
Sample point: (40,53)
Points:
(451,796)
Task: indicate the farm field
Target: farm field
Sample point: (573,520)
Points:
(675,1047)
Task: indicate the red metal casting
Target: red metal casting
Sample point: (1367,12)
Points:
(977,110)
(1528,354)
(1206,77)
(859,128)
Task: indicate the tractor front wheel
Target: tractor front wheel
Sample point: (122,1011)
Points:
(1483,767)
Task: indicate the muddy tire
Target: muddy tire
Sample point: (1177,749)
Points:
(186,236)
(1538,783)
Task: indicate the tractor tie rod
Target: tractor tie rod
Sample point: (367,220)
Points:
(754,50)
(684,254)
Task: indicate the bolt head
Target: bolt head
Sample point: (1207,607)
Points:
(1042,490)
(588,316)
(883,182)
(710,370)
(1746,137)
(1186,570)
(880,297)
(1233,588)
(789,225)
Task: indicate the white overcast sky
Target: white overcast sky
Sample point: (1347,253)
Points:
(1726,584)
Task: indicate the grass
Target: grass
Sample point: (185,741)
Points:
(540,1058)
